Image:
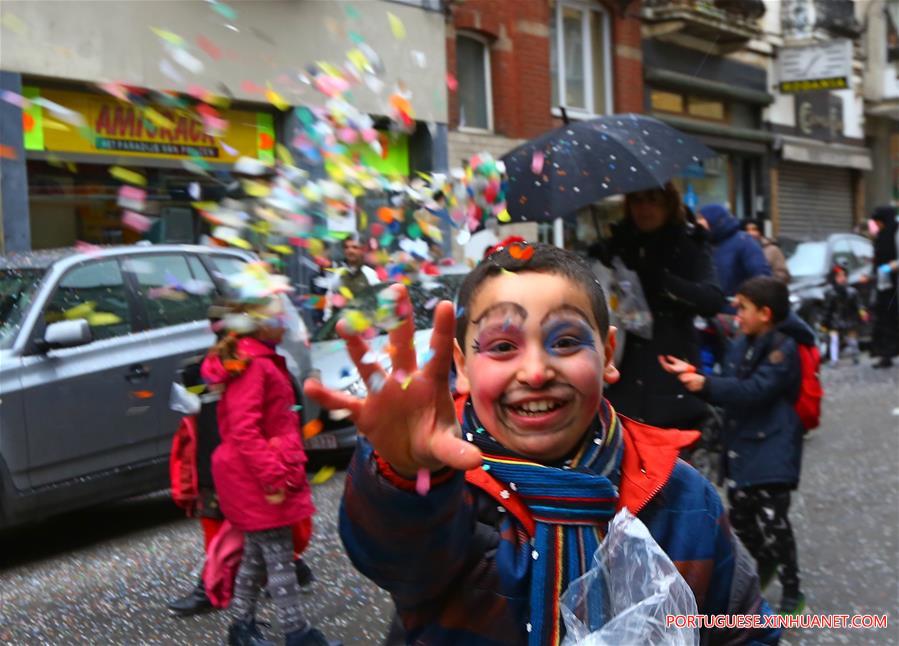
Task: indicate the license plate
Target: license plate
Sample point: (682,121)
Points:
(321,441)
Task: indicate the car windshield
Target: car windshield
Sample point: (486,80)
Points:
(809,259)
(17,289)
(423,295)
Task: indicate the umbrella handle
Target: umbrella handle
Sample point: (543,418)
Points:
(564,112)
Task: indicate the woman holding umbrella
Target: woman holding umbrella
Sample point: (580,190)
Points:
(635,155)
(660,240)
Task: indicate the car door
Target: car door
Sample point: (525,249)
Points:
(174,293)
(86,407)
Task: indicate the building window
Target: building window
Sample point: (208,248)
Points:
(694,106)
(666,101)
(580,58)
(473,74)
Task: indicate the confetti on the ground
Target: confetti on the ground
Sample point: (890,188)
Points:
(323,475)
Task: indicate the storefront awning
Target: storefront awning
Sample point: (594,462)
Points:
(667,78)
(722,136)
(826,154)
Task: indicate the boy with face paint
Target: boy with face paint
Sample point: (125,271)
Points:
(526,466)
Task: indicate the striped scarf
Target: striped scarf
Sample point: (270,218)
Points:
(571,505)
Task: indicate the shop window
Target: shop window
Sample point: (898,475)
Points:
(96,293)
(580,58)
(169,291)
(667,101)
(473,74)
(862,250)
(705,108)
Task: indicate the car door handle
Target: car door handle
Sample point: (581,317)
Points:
(137,372)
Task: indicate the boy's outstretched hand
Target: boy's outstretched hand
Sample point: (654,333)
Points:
(408,415)
(686,372)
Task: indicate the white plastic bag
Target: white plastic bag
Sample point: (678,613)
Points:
(633,308)
(627,302)
(181,400)
(627,595)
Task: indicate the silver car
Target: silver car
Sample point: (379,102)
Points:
(90,343)
(335,369)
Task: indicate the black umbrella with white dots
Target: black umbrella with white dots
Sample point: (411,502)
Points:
(580,163)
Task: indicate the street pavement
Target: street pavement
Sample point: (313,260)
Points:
(103,576)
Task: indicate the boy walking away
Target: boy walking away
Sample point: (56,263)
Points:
(843,315)
(763,432)
(477,514)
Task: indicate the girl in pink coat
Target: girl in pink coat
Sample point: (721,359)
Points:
(259,467)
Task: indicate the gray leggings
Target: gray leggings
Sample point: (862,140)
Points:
(268,552)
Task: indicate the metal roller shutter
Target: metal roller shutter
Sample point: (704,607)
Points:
(813,201)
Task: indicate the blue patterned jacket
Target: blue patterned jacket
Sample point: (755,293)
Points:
(436,554)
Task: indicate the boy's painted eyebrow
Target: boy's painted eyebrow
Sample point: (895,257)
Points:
(570,309)
(519,310)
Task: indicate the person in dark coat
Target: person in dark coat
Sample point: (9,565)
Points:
(763,432)
(885,336)
(660,240)
(737,256)
(843,314)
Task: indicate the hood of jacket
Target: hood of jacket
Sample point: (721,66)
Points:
(797,329)
(722,224)
(214,371)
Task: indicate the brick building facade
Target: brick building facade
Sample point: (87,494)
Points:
(515,39)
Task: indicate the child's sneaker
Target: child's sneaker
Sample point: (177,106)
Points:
(304,576)
(309,636)
(792,604)
(245,632)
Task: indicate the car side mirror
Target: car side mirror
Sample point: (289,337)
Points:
(66,334)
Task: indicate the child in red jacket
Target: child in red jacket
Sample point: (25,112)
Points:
(259,467)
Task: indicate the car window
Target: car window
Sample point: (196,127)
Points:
(862,250)
(228,265)
(169,291)
(842,254)
(809,259)
(17,289)
(95,292)
(199,273)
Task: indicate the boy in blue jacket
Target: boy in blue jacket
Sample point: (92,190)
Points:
(763,433)
(476,514)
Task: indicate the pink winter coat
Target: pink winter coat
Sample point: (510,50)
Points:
(261,451)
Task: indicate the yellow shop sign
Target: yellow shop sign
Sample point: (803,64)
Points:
(101,125)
